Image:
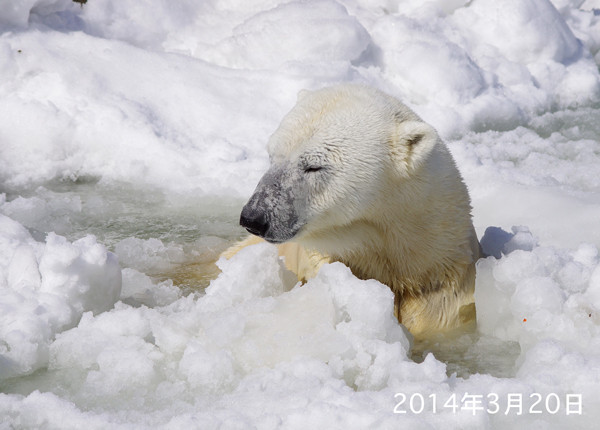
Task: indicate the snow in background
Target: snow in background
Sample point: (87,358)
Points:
(131,133)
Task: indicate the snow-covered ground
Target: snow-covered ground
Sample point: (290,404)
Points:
(132,132)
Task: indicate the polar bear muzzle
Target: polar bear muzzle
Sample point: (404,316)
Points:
(275,210)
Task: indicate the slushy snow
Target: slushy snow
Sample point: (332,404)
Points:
(132,132)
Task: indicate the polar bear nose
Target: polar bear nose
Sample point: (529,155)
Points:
(254,221)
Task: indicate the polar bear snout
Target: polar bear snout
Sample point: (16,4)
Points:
(275,210)
(255,221)
(275,224)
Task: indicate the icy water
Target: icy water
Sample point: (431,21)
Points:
(192,231)
(115,212)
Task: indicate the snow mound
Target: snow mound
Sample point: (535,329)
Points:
(46,287)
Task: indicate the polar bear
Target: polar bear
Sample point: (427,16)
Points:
(357,177)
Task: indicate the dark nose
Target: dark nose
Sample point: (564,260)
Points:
(255,221)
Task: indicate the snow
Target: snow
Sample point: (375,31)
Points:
(46,289)
(132,132)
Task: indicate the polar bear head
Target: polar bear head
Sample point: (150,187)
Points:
(336,158)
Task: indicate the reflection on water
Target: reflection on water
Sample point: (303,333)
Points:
(115,212)
(466,352)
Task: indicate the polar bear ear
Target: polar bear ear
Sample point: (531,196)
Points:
(413,142)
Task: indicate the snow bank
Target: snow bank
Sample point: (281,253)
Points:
(253,326)
(76,107)
(259,350)
(549,172)
(184,85)
(20,14)
(542,293)
(546,299)
(45,290)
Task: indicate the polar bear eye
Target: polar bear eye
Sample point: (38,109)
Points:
(310,169)
(312,163)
